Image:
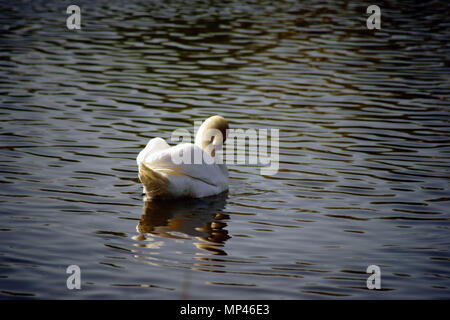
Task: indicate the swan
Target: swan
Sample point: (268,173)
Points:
(186,170)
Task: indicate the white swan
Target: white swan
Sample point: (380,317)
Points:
(185,170)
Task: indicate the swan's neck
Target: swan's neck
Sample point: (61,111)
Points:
(199,136)
(203,139)
(211,135)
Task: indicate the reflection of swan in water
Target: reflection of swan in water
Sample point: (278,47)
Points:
(181,219)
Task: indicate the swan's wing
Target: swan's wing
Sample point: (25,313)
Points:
(168,161)
(153,146)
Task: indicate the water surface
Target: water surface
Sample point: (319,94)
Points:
(364,149)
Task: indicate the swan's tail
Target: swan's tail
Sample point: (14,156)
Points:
(155,184)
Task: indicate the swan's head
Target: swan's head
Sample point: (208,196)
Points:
(212,134)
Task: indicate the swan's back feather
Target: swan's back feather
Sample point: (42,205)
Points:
(153,146)
(155,183)
(182,179)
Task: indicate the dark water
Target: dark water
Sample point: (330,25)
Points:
(364,149)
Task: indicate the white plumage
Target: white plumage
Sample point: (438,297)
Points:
(165,176)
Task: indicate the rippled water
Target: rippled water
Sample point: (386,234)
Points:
(364,149)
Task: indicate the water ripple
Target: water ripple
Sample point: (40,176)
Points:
(364,149)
